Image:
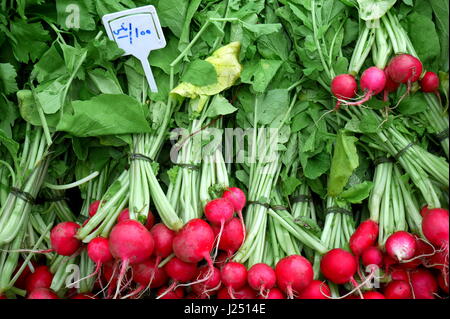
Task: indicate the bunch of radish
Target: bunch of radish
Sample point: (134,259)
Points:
(402,69)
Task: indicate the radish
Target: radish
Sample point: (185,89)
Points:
(237,197)
(218,212)
(316,290)
(165,293)
(261,277)
(435,227)
(124,215)
(209,287)
(3,296)
(163,238)
(443,282)
(424,285)
(373,81)
(234,277)
(389,87)
(373,295)
(146,273)
(221,259)
(22,280)
(40,278)
(430,82)
(399,274)
(232,236)
(180,272)
(401,245)
(84,296)
(42,293)
(424,210)
(244,293)
(398,289)
(273,293)
(372,256)
(294,273)
(194,242)
(343,87)
(339,266)
(63,240)
(364,236)
(404,68)
(93,208)
(130,242)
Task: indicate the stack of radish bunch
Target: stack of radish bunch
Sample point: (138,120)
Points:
(409,266)
(402,69)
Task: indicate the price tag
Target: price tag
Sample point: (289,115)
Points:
(137,31)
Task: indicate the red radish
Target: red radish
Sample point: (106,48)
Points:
(261,277)
(162,293)
(443,282)
(435,226)
(316,290)
(273,293)
(3,296)
(404,68)
(373,81)
(232,236)
(424,284)
(364,237)
(163,238)
(399,274)
(98,250)
(63,240)
(93,208)
(130,242)
(237,197)
(294,273)
(343,87)
(221,259)
(401,245)
(372,256)
(234,277)
(398,289)
(194,242)
(424,210)
(150,220)
(373,295)
(146,270)
(124,215)
(430,82)
(42,293)
(389,87)
(243,293)
(209,287)
(218,212)
(40,278)
(180,272)
(84,296)
(22,280)
(339,266)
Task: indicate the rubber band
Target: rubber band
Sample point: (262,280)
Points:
(25,196)
(301,199)
(137,156)
(278,207)
(403,151)
(382,160)
(442,135)
(266,205)
(338,210)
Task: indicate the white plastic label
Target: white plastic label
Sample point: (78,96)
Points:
(137,31)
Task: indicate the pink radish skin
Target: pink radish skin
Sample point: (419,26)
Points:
(234,277)
(40,278)
(219,211)
(243,293)
(424,284)
(237,198)
(163,238)
(63,240)
(398,289)
(294,273)
(316,290)
(261,277)
(373,295)
(343,87)
(130,242)
(273,293)
(232,236)
(401,246)
(84,296)
(404,68)
(146,270)
(389,87)
(209,287)
(42,293)
(98,250)
(435,227)
(372,82)
(430,83)
(364,237)
(180,271)
(443,282)
(339,266)
(174,294)
(93,208)
(372,256)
